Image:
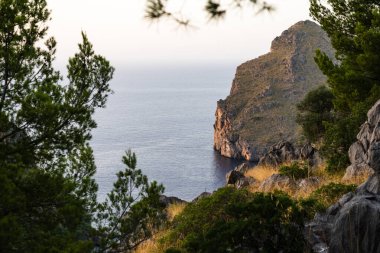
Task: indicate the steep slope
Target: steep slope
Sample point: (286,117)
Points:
(261,108)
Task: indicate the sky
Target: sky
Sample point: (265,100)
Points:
(119,31)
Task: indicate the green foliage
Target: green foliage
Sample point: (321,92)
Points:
(322,198)
(295,170)
(158,9)
(309,207)
(233,220)
(40,212)
(314,110)
(48,194)
(354,80)
(132,210)
(173,250)
(331,193)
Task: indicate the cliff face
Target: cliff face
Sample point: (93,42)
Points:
(353,223)
(261,108)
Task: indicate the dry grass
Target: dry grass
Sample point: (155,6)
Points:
(150,246)
(260,173)
(338,177)
(155,245)
(175,209)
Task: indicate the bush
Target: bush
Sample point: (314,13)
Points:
(309,207)
(322,198)
(331,193)
(233,220)
(295,170)
(314,110)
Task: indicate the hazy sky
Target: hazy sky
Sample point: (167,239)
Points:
(118,30)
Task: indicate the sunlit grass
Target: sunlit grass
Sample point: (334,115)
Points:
(260,173)
(157,244)
(174,209)
(154,245)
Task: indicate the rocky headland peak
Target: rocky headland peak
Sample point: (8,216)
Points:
(261,108)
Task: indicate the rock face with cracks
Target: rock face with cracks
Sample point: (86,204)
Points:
(261,108)
(353,223)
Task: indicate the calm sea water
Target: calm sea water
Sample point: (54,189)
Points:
(165,115)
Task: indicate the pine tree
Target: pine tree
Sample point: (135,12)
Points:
(47,191)
(354,76)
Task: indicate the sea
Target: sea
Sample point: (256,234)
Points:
(165,114)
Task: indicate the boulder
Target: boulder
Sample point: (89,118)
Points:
(277,182)
(356,228)
(364,154)
(242,168)
(308,184)
(357,171)
(245,182)
(236,177)
(233,176)
(357,153)
(279,153)
(307,151)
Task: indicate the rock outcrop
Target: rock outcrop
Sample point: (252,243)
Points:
(359,151)
(283,182)
(353,223)
(168,200)
(237,178)
(260,110)
(285,151)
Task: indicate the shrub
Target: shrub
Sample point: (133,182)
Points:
(233,220)
(309,207)
(322,198)
(314,110)
(331,193)
(295,170)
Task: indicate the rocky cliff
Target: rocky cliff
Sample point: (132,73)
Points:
(261,108)
(353,223)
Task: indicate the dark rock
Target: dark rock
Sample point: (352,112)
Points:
(277,182)
(307,151)
(374,156)
(242,168)
(364,154)
(308,184)
(357,225)
(245,182)
(279,153)
(170,200)
(372,185)
(233,176)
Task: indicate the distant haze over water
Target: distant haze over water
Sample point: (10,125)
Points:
(165,115)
